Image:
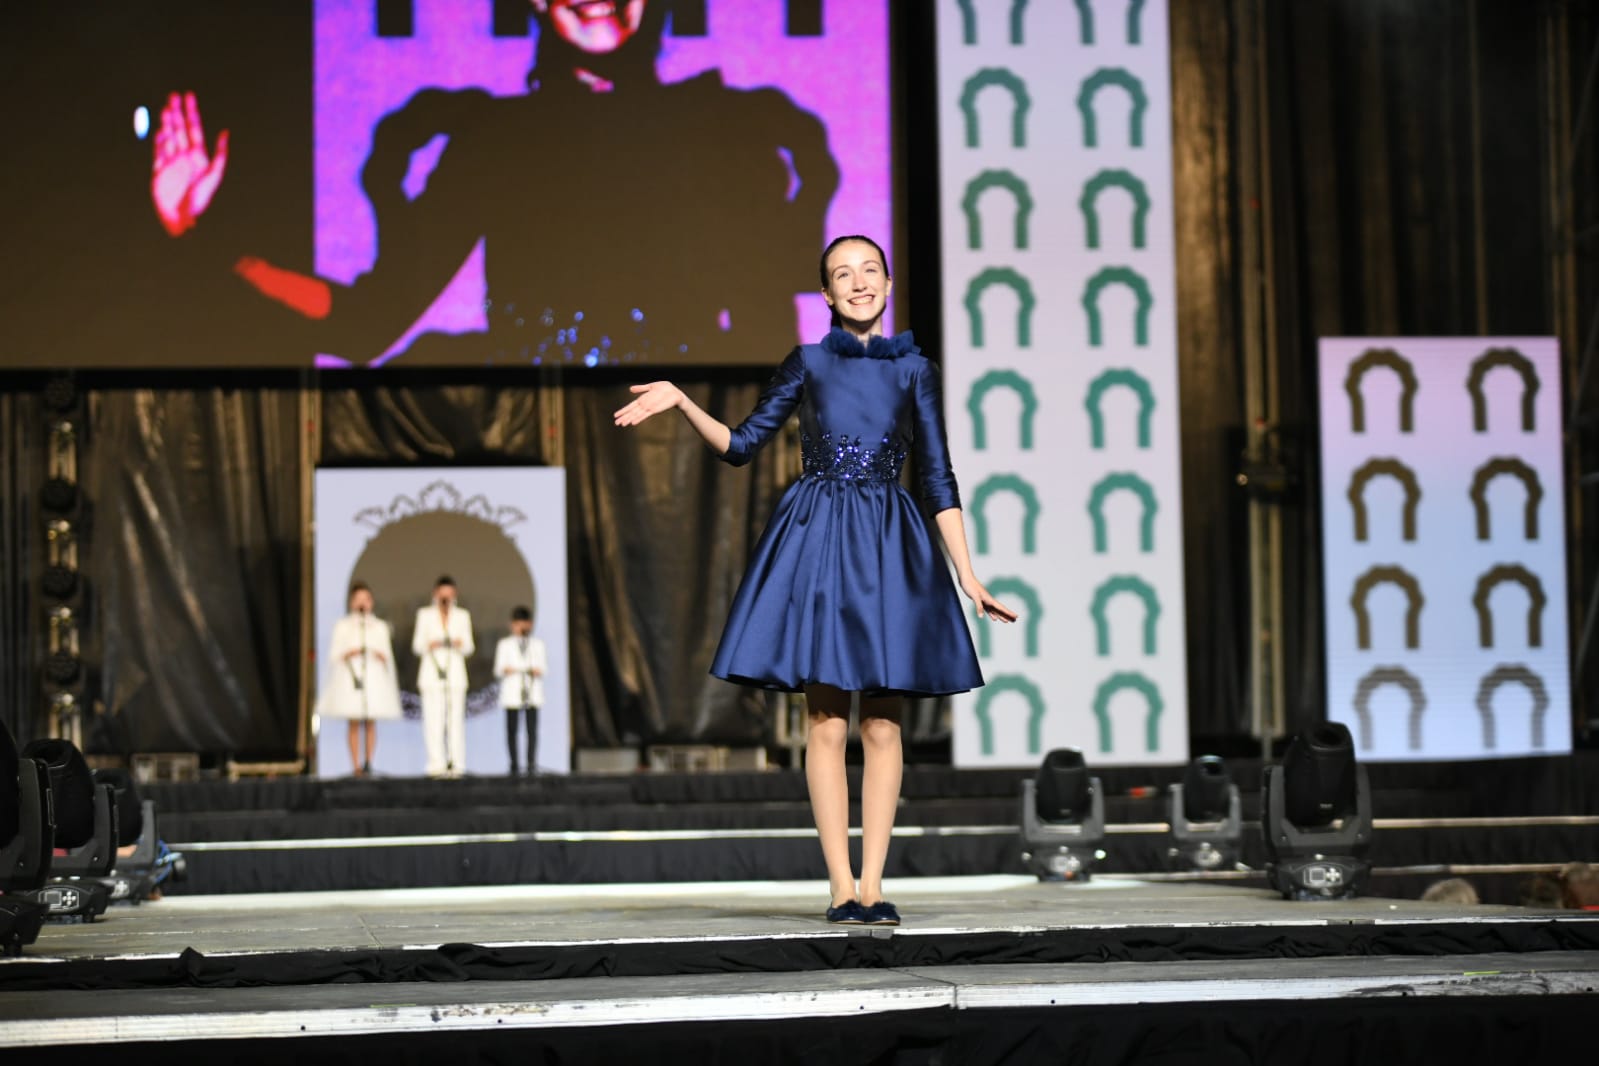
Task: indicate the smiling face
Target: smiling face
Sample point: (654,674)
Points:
(361,601)
(857,286)
(594,26)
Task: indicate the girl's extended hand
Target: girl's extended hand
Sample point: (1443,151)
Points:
(987,606)
(649,400)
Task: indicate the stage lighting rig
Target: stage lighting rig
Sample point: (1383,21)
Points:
(1063,818)
(85,817)
(1206,817)
(60,578)
(27,834)
(1316,817)
(60,491)
(143,859)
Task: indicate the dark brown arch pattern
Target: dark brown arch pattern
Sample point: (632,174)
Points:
(1535,594)
(1397,575)
(1517,469)
(1503,675)
(1390,468)
(1390,675)
(1492,359)
(1375,357)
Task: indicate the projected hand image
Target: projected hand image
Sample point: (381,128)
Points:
(184,177)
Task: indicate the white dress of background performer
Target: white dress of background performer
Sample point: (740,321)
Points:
(360,683)
(442,641)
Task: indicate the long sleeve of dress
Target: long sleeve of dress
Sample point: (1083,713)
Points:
(777,402)
(939,490)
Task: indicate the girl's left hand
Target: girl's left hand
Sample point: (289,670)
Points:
(987,606)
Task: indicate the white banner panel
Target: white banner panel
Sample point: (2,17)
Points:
(500,533)
(1444,546)
(1060,373)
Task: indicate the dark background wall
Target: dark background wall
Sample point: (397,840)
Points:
(1410,167)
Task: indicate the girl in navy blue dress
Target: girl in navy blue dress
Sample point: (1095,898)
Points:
(846,591)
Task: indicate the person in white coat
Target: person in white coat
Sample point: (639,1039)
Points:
(442,641)
(520,663)
(360,683)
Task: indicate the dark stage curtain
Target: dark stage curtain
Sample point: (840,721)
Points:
(22,471)
(196,554)
(658,531)
(1370,148)
(1215,536)
(1372,156)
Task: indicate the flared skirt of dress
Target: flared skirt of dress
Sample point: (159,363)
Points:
(847,588)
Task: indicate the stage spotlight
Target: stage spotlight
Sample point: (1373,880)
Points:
(143,859)
(62,665)
(60,491)
(60,580)
(1063,818)
(1206,817)
(1316,817)
(85,832)
(60,394)
(26,837)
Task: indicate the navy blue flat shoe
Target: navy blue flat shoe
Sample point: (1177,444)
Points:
(882,913)
(850,912)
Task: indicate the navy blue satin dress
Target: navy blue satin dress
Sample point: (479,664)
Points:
(846,586)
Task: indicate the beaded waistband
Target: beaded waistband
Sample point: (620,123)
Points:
(845,458)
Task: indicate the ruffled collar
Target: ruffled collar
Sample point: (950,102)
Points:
(843,342)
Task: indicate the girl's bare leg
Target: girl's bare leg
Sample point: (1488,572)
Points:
(371,742)
(829,788)
(885,760)
(355,747)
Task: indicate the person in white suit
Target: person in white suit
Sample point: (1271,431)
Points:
(520,662)
(442,641)
(360,683)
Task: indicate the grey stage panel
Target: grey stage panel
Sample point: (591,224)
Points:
(722,910)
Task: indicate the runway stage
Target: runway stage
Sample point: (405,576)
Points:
(985,969)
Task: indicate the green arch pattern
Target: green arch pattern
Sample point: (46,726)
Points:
(1096,509)
(1113,587)
(1121,179)
(1024,294)
(1138,682)
(1096,81)
(1004,79)
(992,179)
(1096,394)
(1035,711)
(996,379)
(1011,586)
(1006,483)
(1085,19)
(969,21)
(1117,276)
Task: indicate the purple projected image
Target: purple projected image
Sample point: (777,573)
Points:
(621,183)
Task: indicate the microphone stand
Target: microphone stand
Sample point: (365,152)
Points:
(366,711)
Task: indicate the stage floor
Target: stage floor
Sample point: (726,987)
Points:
(555,956)
(560,957)
(534,915)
